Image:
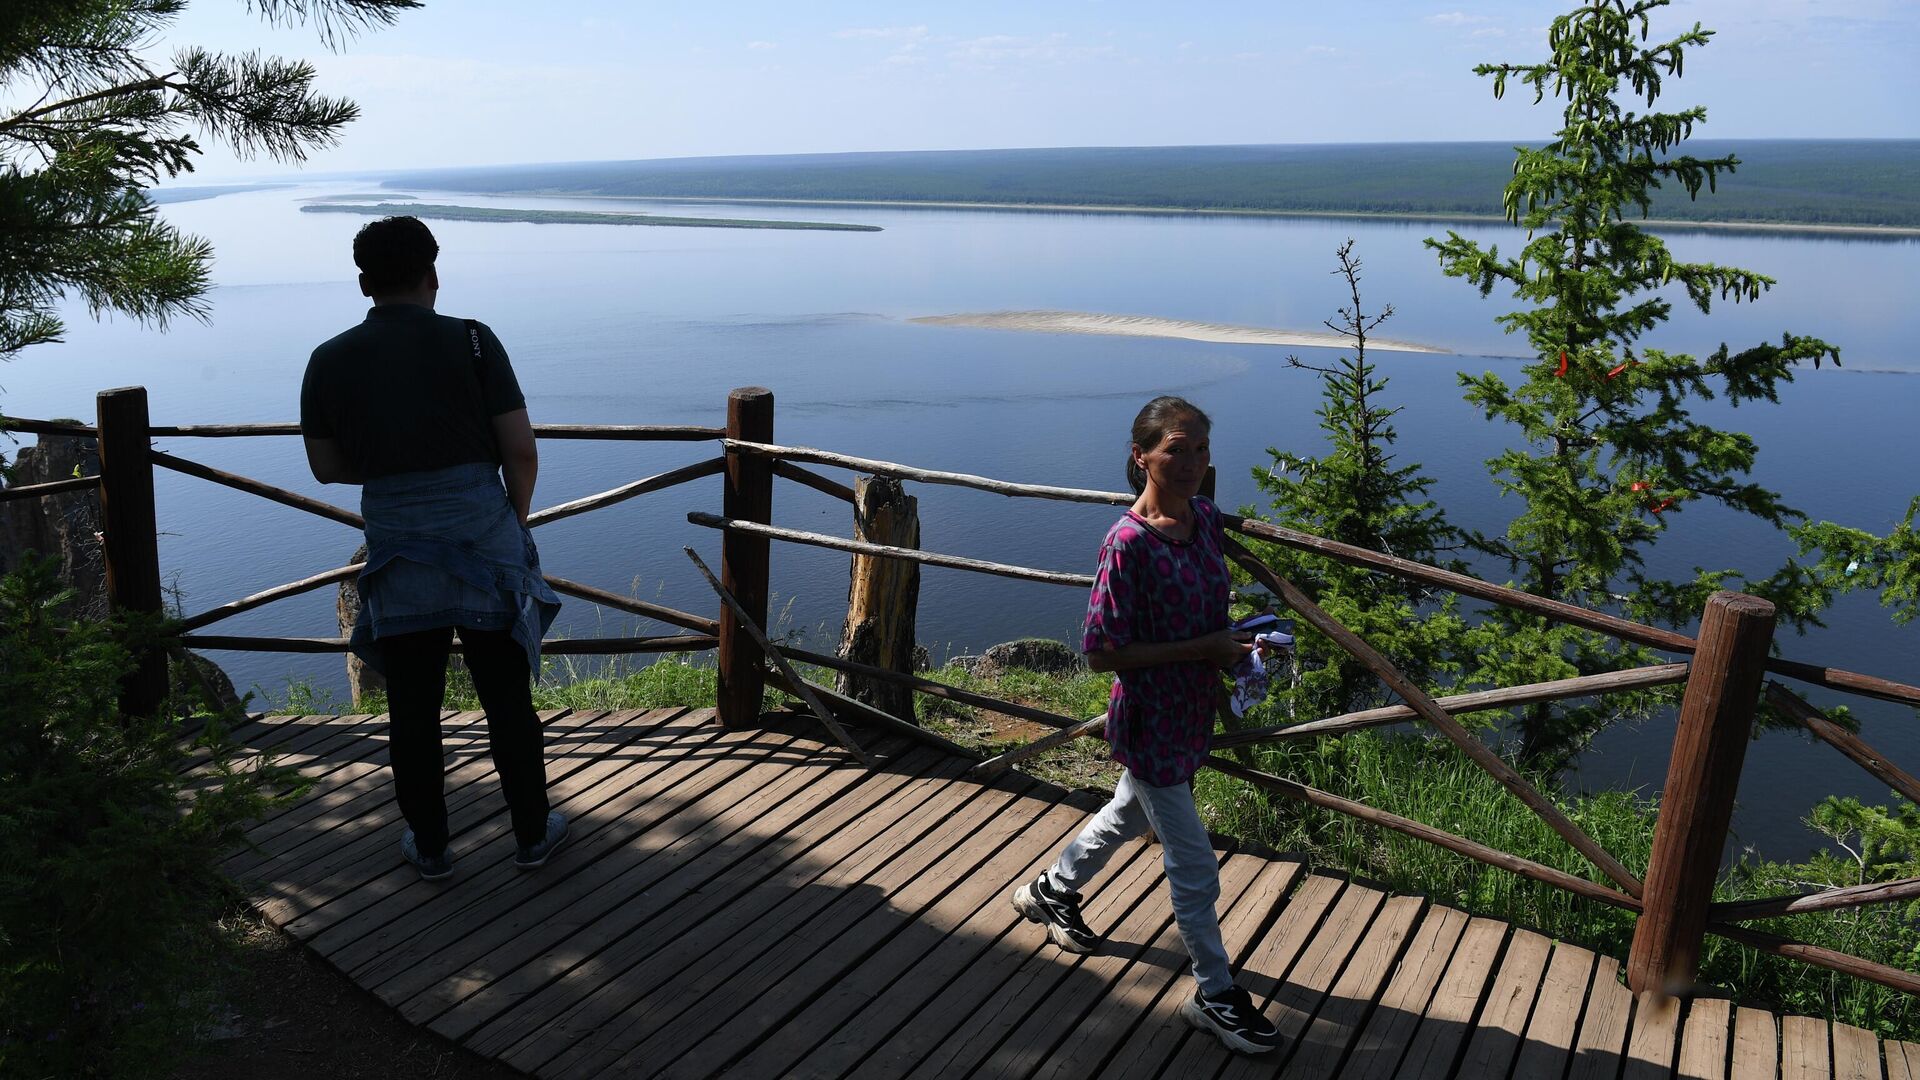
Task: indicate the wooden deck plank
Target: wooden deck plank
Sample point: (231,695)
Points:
(710,1032)
(1448,1023)
(1655,1036)
(1323,1046)
(1856,1053)
(1107,993)
(1601,1046)
(672,890)
(482,853)
(1152,996)
(368,778)
(1164,1038)
(1756,1046)
(1124,904)
(820,869)
(736,904)
(1704,1041)
(505,917)
(1014,967)
(1297,997)
(594,794)
(1547,1047)
(1496,1035)
(1903,1061)
(354,806)
(355,852)
(1379,1046)
(867,1003)
(1804,1049)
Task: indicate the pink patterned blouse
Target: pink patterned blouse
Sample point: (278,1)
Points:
(1153,588)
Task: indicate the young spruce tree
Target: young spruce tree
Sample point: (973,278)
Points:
(1355,494)
(1609,454)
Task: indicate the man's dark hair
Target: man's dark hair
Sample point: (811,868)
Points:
(395,253)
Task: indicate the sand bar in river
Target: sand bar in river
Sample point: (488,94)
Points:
(1087,322)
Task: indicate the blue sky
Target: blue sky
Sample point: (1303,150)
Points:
(493,81)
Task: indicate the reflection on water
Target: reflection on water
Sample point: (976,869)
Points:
(604,330)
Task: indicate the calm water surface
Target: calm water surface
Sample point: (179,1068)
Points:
(655,325)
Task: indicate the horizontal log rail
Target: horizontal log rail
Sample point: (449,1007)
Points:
(1819,956)
(553,647)
(255,487)
(656,482)
(1459,845)
(631,606)
(1475,750)
(930,687)
(861,547)
(268,596)
(813,480)
(610,432)
(926,476)
(51,487)
(48,427)
(1845,741)
(1851,896)
(630,432)
(1480,700)
(218,643)
(222,431)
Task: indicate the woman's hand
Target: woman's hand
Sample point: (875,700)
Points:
(1223,649)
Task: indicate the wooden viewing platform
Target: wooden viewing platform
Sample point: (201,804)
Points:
(755,903)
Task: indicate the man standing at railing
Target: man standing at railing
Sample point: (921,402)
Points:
(424,411)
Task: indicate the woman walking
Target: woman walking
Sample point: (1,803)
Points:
(1158,619)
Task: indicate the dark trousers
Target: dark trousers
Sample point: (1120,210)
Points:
(417,685)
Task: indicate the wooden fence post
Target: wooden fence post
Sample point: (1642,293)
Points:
(1208,485)
(130,535)
(1716,721)
(882,596)
(747,495)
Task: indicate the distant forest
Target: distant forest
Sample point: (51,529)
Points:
(1819,182)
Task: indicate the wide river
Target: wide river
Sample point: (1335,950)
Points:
(610,324)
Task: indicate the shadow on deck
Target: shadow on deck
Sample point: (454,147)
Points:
(750,902)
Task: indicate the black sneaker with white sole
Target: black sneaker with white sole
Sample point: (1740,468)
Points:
(1041,901)
(1232,1018)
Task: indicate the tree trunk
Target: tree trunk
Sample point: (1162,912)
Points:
(882,595)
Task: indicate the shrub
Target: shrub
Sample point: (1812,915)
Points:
(109,856)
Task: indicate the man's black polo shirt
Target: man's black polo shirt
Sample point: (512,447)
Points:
(403,392)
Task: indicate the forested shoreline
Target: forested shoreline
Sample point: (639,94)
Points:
(1779,182)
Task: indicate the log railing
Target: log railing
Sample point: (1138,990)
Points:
(1673,907)
(130,534)
(1722,678)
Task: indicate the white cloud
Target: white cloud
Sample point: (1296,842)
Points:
(1455,18)
(761,46)
(1322,50)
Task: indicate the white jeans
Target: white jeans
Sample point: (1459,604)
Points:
(1193,874)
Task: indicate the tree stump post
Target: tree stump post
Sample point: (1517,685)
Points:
(1709,746)
(130,545)
(883,596)
(748,496)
